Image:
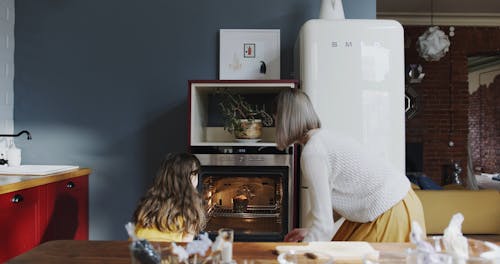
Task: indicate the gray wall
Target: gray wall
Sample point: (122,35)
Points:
(103,84)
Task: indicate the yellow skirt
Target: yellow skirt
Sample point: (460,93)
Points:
(392,226)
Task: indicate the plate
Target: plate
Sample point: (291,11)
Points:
(244,140)
(339,250)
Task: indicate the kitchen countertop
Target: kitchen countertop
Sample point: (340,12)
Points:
(12,183)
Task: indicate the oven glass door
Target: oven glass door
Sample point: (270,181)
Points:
(252,200)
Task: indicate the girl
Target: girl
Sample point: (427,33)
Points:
(172,209)
(375,199)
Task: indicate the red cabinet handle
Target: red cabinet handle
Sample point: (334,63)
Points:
(70,184)
(17,198)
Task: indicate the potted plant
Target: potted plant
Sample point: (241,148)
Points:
(242,119)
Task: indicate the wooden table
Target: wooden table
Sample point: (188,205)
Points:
(75,251)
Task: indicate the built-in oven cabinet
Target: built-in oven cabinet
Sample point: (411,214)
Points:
(205,120)
(252,193)
(247,185)
(265,213)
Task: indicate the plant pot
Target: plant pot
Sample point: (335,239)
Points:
(250,129)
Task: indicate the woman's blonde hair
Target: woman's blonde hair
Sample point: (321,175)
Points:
(295,116)
(172,203)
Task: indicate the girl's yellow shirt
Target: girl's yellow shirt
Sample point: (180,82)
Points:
(153,234)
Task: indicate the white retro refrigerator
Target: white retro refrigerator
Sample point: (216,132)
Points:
(353,72)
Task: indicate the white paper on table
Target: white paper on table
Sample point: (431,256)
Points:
(336,249)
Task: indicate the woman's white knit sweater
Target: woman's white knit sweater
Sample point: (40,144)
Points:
(339,174)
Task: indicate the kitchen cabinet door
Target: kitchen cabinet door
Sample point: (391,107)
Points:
(21,214)
(67,210)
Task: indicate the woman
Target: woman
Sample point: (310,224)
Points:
(375,199)
(172,209)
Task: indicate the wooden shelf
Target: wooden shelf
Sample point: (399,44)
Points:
(203,109)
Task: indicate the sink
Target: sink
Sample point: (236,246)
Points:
(36,169)
(9,179)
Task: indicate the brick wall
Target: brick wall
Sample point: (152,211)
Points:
(6,66)
(484,126)
(496,87)
(475,119)
(444,98)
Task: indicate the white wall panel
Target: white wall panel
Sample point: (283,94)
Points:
(6,66)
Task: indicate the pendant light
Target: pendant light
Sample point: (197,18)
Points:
(433,44)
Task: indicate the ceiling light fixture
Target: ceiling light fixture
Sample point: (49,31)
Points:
(433,44)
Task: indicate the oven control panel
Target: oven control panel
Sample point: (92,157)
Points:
(239,150)
(244,159)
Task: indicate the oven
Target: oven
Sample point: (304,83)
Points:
(248,189)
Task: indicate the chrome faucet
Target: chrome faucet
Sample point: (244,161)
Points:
(28,135)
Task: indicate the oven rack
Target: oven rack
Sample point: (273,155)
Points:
(253,211)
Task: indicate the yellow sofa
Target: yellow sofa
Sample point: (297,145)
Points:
(481,210)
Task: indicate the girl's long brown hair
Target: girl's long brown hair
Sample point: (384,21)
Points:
(173,197)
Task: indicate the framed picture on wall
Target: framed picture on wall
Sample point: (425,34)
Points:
(247,54)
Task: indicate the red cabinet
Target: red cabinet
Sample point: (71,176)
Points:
(67,210)
(21,214)
(28,217)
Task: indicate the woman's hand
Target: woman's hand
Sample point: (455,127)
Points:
(296,235)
